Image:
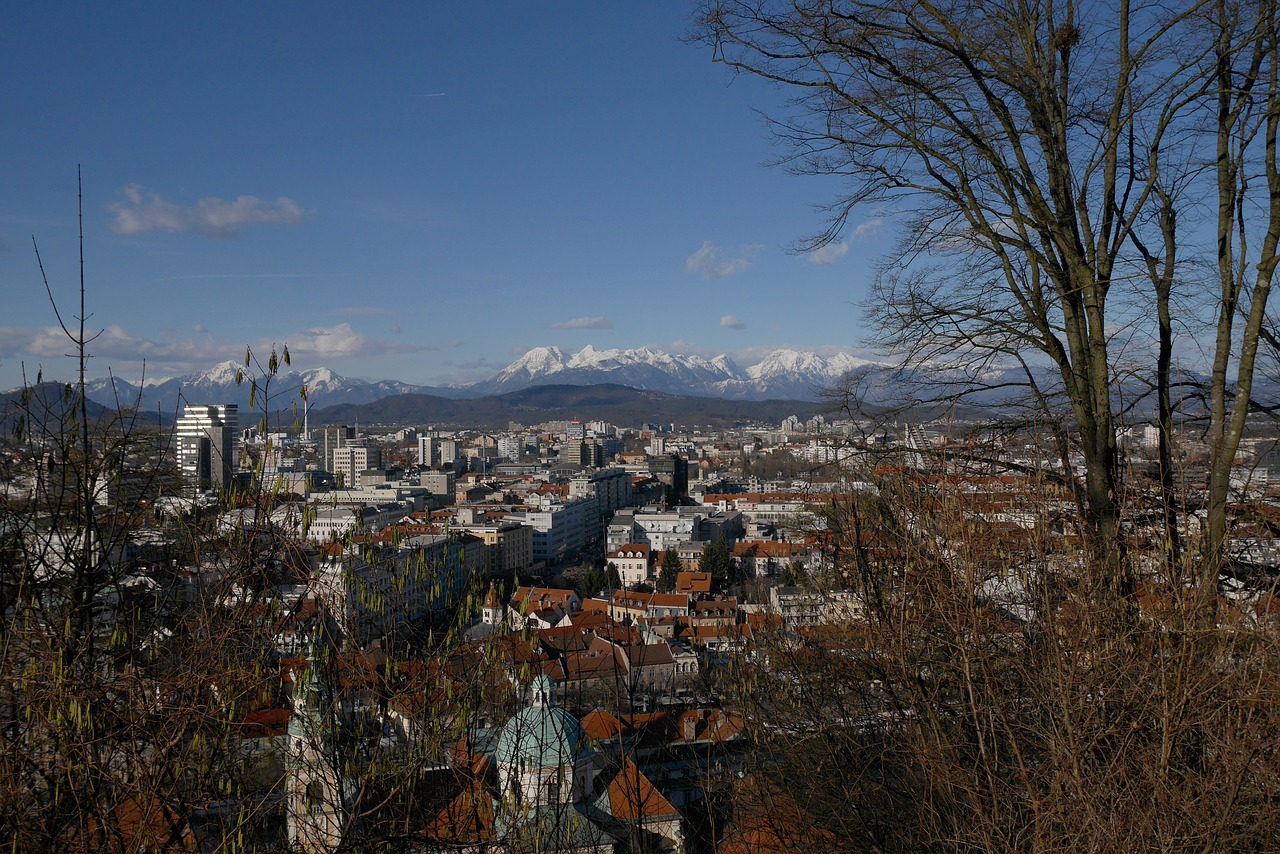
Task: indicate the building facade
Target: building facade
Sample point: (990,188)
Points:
(207,443)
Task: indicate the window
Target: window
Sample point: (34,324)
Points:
(315,797)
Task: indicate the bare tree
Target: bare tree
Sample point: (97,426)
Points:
(1246,104)
(948,715)
(1047,161)
(150,661)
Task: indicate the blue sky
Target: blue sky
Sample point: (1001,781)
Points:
(411,191)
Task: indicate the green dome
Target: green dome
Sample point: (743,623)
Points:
(541,737)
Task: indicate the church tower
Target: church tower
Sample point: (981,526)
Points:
(491,612)
(315,815)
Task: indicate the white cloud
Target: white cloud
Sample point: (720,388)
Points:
(584,323)
(144,211)
(113,347)
(829,253)
(117,350)
(344,342)
(715,262)
(731,322)
(868,229)
(340,340)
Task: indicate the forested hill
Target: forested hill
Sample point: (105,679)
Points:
(607,402)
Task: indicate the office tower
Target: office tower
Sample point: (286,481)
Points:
(206,439)
(673,471)
(332,438)
(584,454)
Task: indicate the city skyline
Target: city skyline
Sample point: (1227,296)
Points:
(420,195)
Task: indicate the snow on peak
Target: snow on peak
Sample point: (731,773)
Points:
(538,362)
(794,363)
(727,365)
(323,380)
(223,373)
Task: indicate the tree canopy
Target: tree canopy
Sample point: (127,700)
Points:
(668,573)
(717,561)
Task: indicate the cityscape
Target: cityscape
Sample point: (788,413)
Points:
(437,430)
(585,594)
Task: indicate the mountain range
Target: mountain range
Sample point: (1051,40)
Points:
(782,375)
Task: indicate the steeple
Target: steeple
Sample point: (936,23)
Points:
(315,816)
(491,612)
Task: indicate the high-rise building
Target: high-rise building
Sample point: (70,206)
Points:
(332,438)
(428,451)
(673,471)
(350,461)
(448,451)
(207,441)
(584,454)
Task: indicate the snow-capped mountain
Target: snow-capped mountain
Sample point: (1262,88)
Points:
(782,374)
(795,374)
(642,368)
(218,385)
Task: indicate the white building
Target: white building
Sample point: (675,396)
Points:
(332,523)
(559,528)
(632,562)
(398,587)
(664,529)
(350,460)
(610,487)
(207,443)
(448,451)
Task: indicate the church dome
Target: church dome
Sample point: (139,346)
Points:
(540,737)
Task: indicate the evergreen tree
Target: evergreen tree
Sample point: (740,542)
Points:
(669,572)
(716,560)
(592,583)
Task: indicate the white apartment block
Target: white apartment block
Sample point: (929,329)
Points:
(449,451)
(508,546)
(511,447)
(559,528)
(429,451)
(663,529)
(337,522)
(370,599)
(610,487)
(350,460)
(439,482)
(778,511)
(411,498)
